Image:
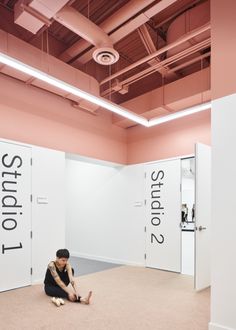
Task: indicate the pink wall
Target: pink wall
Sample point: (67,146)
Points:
(175,138)
(33,116)
(223,48)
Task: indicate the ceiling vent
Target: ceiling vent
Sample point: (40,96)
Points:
(105,56)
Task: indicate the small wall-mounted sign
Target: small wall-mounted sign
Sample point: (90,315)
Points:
(138,204)
(42,200)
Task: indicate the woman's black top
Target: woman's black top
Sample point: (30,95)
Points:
(63,274)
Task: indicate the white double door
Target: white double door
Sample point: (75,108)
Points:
(163,215)
(15,223)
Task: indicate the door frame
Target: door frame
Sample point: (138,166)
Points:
(196,229)
(192,230)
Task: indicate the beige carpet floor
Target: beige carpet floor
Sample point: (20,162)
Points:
(124,298)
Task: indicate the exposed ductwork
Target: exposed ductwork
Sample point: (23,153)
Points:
(188,37)
(32,15)
(32,56)
(110,24)
(187,22)
(124,29)
(105,53)
(183,93)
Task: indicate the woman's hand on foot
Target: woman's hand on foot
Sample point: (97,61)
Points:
(72,296)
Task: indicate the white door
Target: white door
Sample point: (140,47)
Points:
(15,190)
(163,206)
(202,216)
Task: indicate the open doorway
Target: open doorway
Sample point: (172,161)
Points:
(188,214)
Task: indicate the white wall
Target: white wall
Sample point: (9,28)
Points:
(105,212)
(223,292)
(48,220)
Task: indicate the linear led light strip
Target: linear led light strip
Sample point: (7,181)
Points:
(14,63)
(179,114)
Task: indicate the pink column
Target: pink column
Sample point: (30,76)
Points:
(223,47)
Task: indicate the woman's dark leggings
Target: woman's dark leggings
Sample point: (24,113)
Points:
(56,291)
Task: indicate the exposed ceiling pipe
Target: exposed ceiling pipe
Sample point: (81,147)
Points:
(114,21)
(184,50)
(170,60)
(145,59)
(150,48)
(148,43)
(194,60)
(105,53)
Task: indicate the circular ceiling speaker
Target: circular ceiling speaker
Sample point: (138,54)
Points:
(105,56)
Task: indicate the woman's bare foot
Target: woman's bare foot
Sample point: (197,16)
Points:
(86,300)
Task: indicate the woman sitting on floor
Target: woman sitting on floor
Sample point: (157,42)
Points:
(58,276)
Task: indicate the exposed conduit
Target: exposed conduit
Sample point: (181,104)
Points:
(158,52)
(168,61)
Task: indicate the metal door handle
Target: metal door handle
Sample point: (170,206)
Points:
(200,228)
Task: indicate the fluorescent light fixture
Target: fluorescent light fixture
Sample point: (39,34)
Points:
(179,114)
(20,66)
(14,63)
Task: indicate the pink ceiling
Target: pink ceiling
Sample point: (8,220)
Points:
(162,29)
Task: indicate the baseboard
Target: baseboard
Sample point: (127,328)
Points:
(104,259)
(214,326)
(38,281)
